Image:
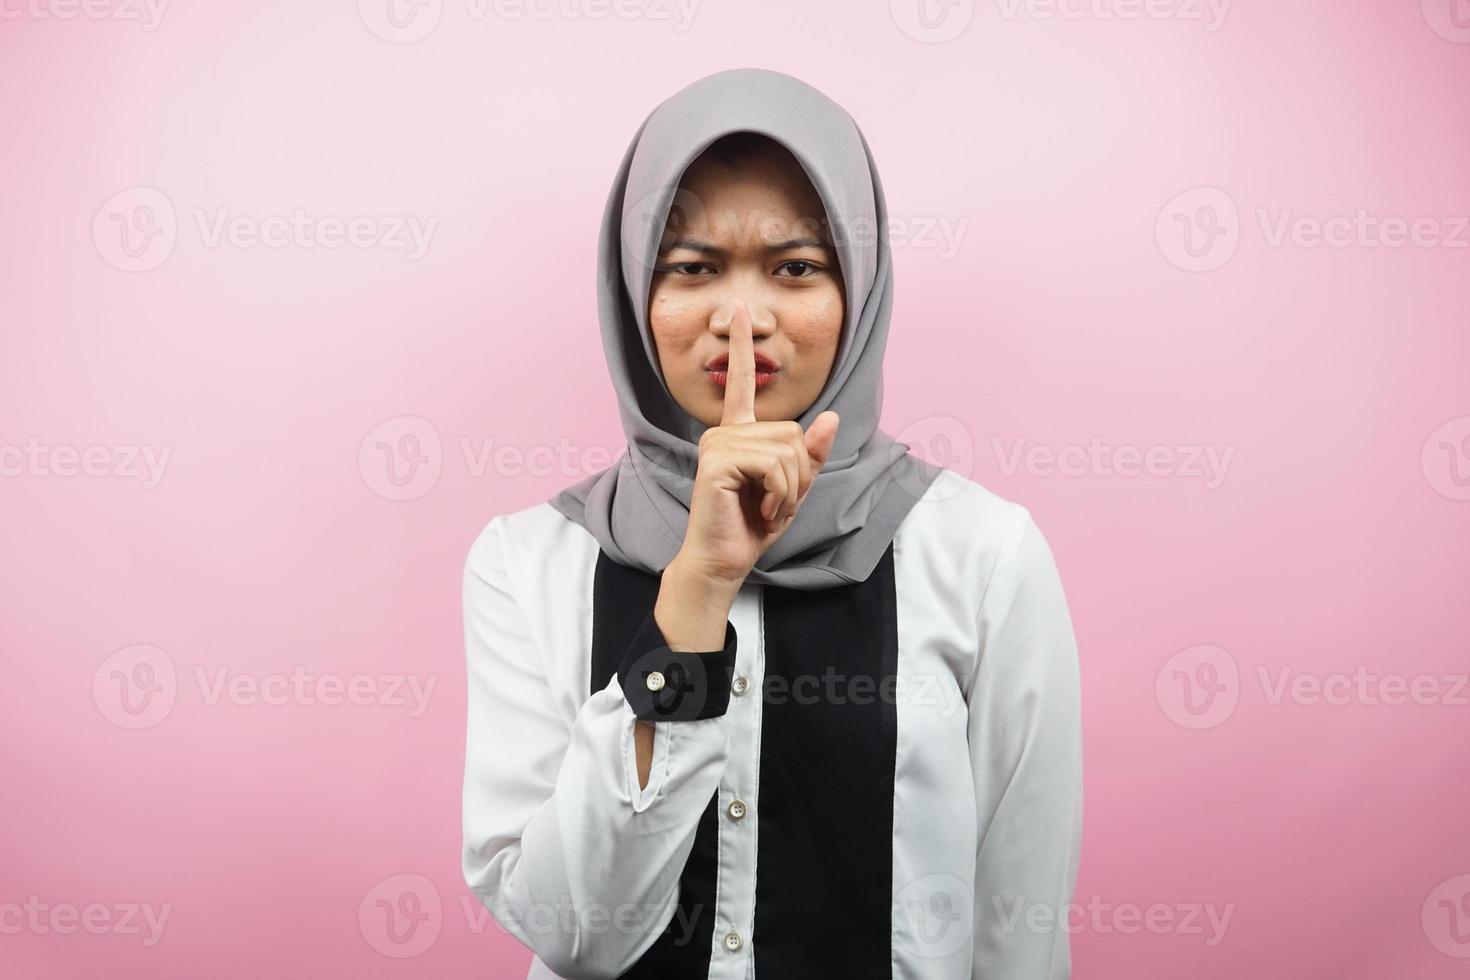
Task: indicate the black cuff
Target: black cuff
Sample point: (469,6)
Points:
(686,685)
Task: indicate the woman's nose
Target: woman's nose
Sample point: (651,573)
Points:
(762,318)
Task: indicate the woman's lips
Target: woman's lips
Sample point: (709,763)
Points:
(762,378)
(766,367)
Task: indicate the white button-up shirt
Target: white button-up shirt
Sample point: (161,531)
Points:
(984,765)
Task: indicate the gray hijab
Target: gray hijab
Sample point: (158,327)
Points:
(638,508)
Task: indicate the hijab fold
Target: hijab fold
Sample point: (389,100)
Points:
(638,508)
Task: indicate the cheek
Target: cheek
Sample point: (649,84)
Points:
(818,326)
(675,324)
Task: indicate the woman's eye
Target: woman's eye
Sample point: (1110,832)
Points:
(686,268)
(801,265)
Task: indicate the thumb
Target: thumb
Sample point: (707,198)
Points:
(819,438)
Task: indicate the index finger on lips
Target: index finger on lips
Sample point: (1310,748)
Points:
(740,372)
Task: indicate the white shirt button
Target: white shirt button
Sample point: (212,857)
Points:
(732,941)
(741,685)
(736,809)
(655,681)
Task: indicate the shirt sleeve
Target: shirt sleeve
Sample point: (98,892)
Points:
(560,843)
(1025,732)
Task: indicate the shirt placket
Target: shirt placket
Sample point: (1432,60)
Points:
(731,957)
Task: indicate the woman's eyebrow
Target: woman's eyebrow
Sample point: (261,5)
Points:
(694,245)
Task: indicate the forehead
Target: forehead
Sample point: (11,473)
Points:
(765,197)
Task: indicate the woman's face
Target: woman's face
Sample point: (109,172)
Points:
(757,233)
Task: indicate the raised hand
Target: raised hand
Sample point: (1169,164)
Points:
(752,476)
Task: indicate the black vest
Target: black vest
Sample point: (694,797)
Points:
(824,856)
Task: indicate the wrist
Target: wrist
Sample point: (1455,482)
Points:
(692,608)
(696,583)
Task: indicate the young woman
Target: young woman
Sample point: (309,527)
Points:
(771,697)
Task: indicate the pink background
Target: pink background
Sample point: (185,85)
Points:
(1329,381)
